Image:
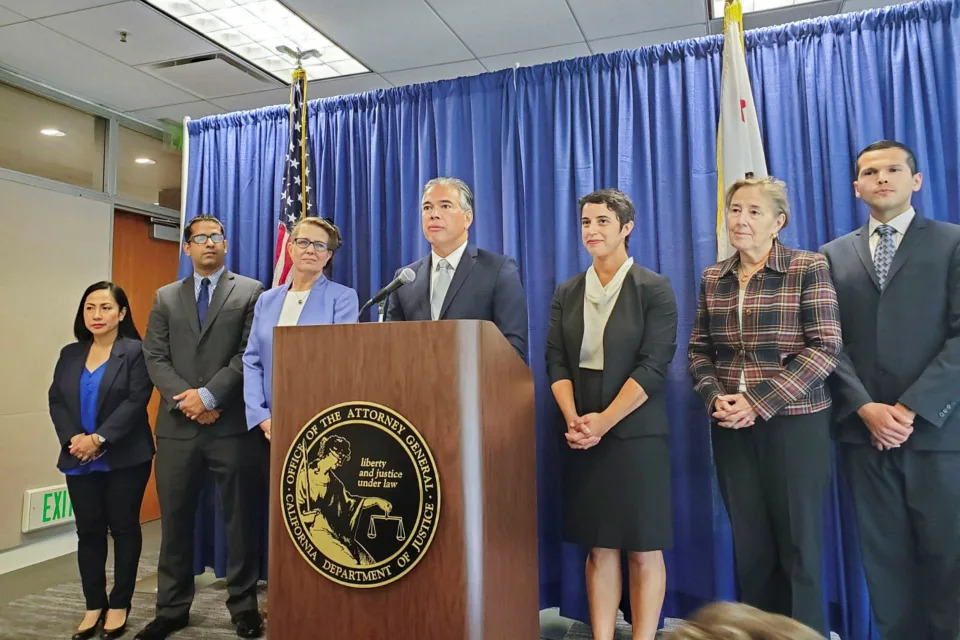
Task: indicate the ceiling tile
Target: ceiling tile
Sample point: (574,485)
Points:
(434,73)
(39,52)
(537,56)
(42,8)
(495,27)
(647,38)
(606,18)
(346,86)
(9,17)
(785,15)
(247,101)
(385,36)
(211,77)
(861,5)
(152,36)
(177,112)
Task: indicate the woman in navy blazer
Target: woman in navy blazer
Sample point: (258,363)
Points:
(310,298)
(98,403)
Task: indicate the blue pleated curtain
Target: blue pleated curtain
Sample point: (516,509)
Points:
(532,141)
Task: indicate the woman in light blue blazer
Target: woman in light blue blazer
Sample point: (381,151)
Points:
(307,300)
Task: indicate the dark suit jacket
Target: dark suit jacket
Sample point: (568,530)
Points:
(182,355)
(485,286)
(903,344)
(639,342)
(121,404)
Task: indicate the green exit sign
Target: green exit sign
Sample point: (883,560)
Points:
(46,507)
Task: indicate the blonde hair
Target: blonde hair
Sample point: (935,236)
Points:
(774,189)
(736,621)
(333,233)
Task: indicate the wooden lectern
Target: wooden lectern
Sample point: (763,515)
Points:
(463,387)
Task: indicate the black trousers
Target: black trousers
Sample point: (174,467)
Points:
(908,516)
(773,477)
(237,466)
(108,500)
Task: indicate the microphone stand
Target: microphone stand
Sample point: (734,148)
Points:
(381,310)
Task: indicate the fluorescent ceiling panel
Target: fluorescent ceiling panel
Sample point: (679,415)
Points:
(253,29)
(753,6)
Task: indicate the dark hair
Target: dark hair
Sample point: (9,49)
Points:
(887,144)
(126,328)
(188,228)
(616,201)
(332,443)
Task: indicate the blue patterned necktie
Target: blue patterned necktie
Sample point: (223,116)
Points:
(203,300)
(883,257)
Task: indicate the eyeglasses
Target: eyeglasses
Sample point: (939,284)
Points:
(303,243)
(201,238)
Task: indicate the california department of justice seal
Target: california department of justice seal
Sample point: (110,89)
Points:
(360,494)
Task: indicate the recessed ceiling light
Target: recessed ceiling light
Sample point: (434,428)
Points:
(754,6)
(253,29)
(145,161)
(54,133)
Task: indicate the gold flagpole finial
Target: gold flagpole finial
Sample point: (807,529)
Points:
(298,55)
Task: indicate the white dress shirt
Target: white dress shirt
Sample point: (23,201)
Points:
(598,302)
(899,224)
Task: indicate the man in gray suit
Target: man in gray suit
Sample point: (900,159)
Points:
(458,281)
(195,340)
(896,393)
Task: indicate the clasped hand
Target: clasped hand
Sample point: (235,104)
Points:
(83,447)
(585,431)
(734,411)
(890,425)
(191,405)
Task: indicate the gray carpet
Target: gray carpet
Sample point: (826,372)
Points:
(56,612)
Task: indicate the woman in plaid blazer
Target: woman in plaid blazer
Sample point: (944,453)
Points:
(766,336)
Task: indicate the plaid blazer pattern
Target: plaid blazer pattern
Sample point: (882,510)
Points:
(790,338)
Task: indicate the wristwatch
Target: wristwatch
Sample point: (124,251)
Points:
(99,438)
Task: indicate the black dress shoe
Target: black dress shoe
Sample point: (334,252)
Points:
(249,624)
(110,634)
(89,632)
(160,628)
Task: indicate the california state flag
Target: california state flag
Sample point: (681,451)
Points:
(739,148)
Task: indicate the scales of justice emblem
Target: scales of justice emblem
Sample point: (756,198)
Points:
(360,494)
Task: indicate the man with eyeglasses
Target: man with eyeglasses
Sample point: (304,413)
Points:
(195,339)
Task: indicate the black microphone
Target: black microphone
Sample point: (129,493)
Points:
(406,276)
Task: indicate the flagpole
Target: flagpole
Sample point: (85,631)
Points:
(185,172)
(299,75)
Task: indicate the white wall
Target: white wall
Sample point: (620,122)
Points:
(54,245)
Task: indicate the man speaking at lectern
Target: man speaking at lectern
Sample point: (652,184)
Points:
(458,281)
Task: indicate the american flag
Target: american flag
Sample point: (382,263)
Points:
(295,196)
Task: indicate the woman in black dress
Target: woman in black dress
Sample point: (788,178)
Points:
(612,334)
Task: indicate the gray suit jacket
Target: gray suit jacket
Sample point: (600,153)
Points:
(485,286)
(902,345)
(181,355)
